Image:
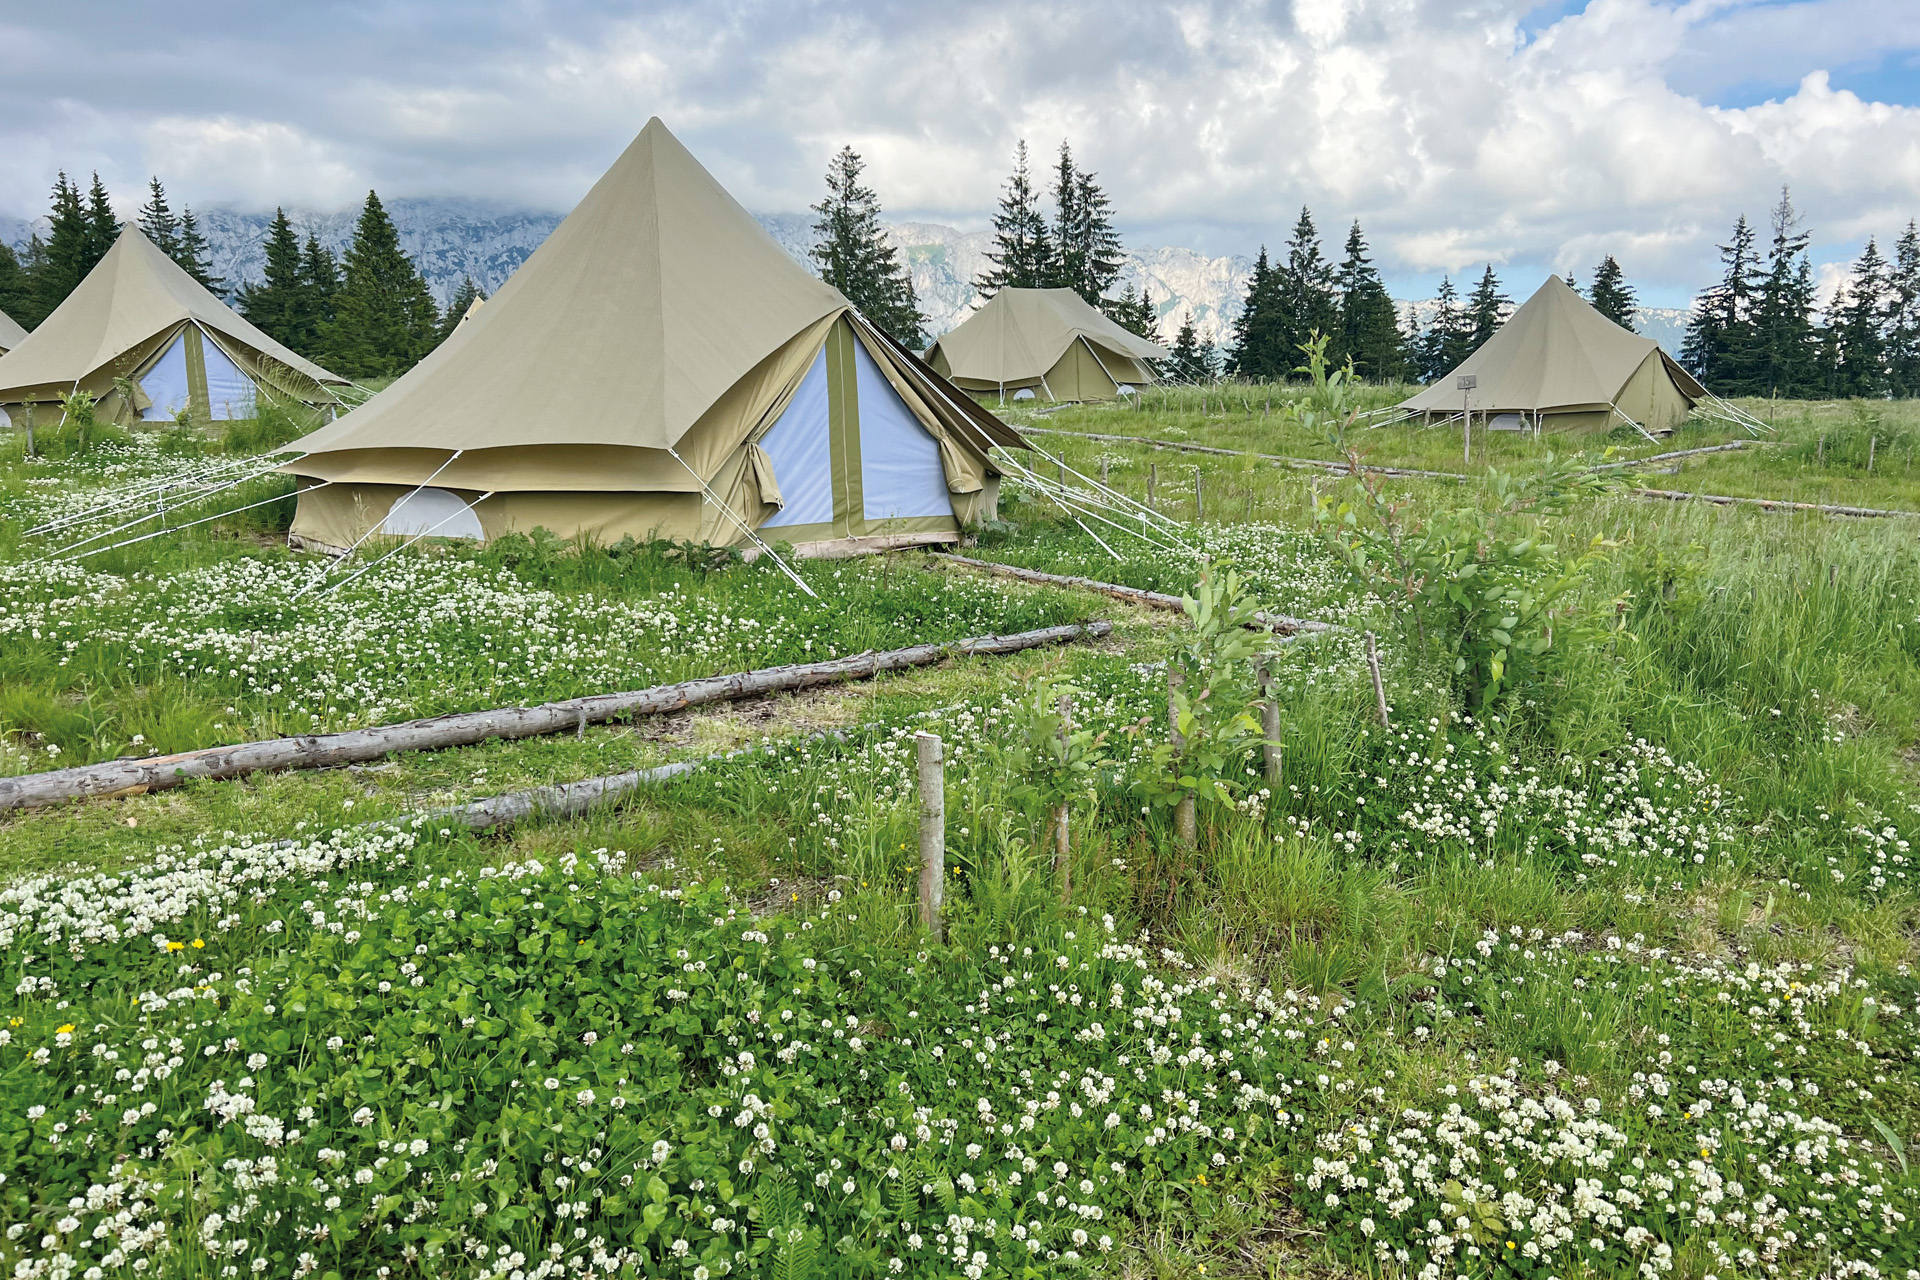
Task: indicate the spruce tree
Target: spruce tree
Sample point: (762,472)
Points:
(278,303)
(464,297)
(1369,330)
(1022,252)
(319,287)
(1087,254)
(384,319)
(67,254)
(1611,295)
(1783,308)
(1487,310)
(195,255)
(1193,360)
(1857,356)
(1903,315)
(1306,296)
(157,221)
(1258,343)
(1449,338)
(16,288)
(854,255)
(103,227)
(1134,312)
(1719,342)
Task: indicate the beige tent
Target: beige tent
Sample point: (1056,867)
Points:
(1046,344)
(1558,364)
(11,334)
(148,342)
(659,368)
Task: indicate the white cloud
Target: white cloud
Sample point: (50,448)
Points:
(1455,135)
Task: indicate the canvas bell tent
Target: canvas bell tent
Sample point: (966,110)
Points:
(11,334)
(148,342)
(1557,364)
(1045,344)
(660,367)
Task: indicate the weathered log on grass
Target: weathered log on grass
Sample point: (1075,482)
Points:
(1279,622)
(1279,460)
(1774,504)
(460,729)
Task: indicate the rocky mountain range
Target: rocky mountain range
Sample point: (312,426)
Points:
(455,238)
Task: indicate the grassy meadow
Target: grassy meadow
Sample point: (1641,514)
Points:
(1595,961)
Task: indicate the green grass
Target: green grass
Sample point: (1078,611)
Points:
(1658,904)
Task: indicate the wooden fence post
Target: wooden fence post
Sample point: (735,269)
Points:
(1103,471)
(1062,837)
(1185,829)
(1199,510)
(1153,481)
(1270,726)
(933,831)
(1379,689)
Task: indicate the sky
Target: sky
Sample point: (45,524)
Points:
(1531,136)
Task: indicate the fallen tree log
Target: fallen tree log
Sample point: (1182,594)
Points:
(1297,464)
(1773,504)
(1279,622)
(459,729)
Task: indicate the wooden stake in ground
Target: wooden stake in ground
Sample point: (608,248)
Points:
(1873,442)
(1199,509)
(1270,726)
(1103,471)
(1153,482)
(933,830)
(1379,689)
(1062,837)
(1185,829)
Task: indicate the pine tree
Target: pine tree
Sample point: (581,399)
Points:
(1369,330)
(319,287)
(1193,360)
(1719,343)
(1022,253)
(854,255)
(16,288)
(195,255)
(1487,310)
(1087,254)
(1783,309)
(68,253)
(464,297)
(1857,355)
(1449,338)
(278,303)
(384,319)
(1903,315)
(1134,312)
(1258,345)
(1612,296)
(1306,295)
(157,221)
(103,227)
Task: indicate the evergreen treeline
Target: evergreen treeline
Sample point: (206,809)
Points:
(368,315)
(1755,332)
(1289,301)
(854,255)
(1078,248)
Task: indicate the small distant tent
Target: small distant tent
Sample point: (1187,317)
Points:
(11,334)
(660,367)
(149,342)
(1046,344)
(1557,364)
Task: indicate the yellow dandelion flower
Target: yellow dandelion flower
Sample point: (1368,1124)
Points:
(199,944)
(176,946)
(1510,1244)
(66,1029)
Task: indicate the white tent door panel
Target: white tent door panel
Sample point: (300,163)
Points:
(801,447)
(432,511)
(166,383)
(900,471)
(229,391)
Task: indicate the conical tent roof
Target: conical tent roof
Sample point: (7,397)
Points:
(1022,333)
(11,334)
(656,295)
(134,294)
(1555,354)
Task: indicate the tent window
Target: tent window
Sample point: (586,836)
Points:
(435,511)
(1024,393)
(900,469)
(229,391)
(165,383)
(801,447)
